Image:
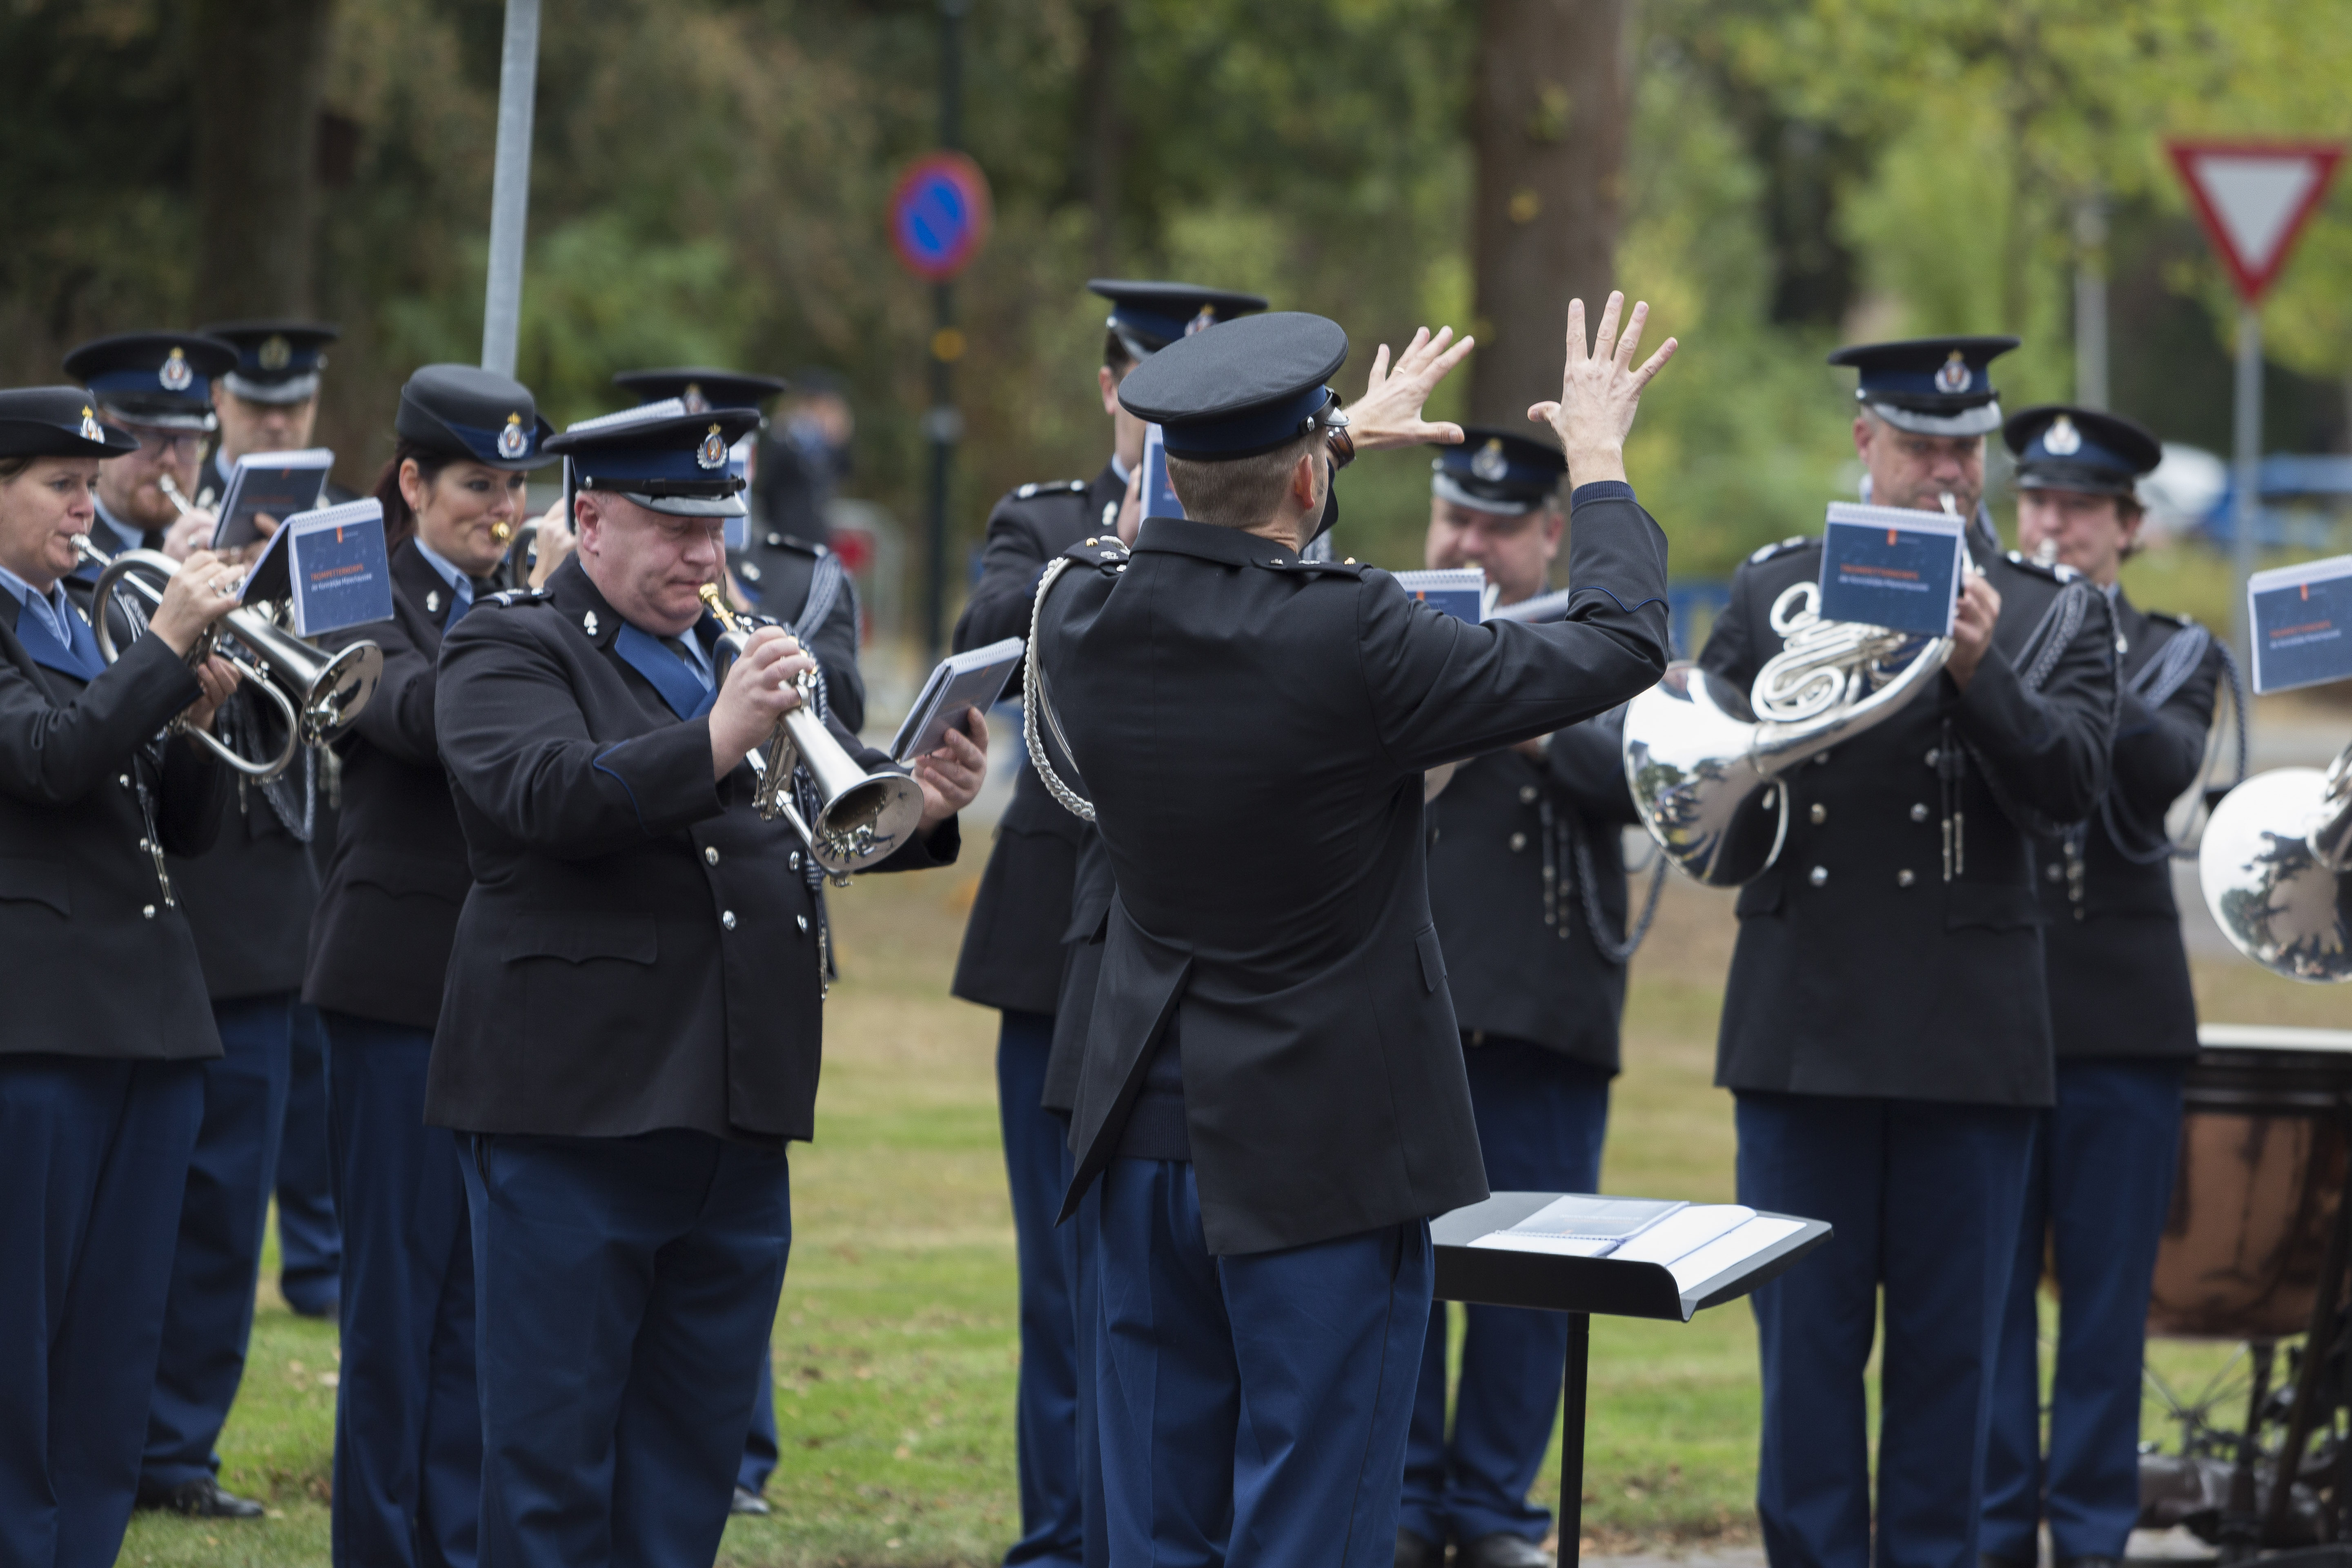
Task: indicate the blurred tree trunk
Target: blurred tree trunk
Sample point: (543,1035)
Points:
(259,67)
(1103,134)
(1547,120)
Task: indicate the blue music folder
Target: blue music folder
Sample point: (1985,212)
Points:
(338,568)
(1885,567)
(1459,591)
(1158,498)
(2301,617)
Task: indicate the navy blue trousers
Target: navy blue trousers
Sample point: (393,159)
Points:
(1038,1168)
(208,1315)
(1541,1118)
(93,1158)
(1925,1197)
(1253,1409)
(309,1247)
(625,1289)
(408,1416)
(2098,1188)
(759,1450)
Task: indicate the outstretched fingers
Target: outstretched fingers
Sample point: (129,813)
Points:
(1633,338)
(1655,364)
(1604,342)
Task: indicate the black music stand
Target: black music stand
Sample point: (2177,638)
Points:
(1579,1286)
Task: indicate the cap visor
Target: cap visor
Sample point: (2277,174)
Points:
(1444,487)
(1981,420)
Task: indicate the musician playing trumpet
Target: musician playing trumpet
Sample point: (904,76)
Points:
(1886,1026)
(628,1035)
(104,1043)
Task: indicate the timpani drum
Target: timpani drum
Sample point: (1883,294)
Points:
(2264,1160)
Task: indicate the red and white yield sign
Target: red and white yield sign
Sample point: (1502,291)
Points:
(2255,197)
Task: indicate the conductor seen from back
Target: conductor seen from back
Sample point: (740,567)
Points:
(629,1031)
(1272,1098)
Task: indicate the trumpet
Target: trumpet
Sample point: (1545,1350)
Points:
(2277,870)
(864,816)
(316,694)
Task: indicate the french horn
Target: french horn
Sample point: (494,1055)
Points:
(1704,766)
(2276,869)
(316,694)
(865,818)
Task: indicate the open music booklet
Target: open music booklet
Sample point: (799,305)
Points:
(275,485)
(1693,1242)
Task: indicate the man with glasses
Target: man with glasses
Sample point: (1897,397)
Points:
(155,389)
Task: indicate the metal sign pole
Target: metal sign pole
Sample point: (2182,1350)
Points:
(2247,501)
(511,187)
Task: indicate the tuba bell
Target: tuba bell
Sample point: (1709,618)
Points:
(1704,766)
(316,694)
(2276,868)
(864,816)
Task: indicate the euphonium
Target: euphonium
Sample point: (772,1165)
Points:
(1703,772)
(317,694)
(864,816)
(2276,868)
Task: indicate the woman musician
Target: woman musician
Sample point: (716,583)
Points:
(107,1022)
(408,1428)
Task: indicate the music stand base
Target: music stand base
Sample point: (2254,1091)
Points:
(1572,1441)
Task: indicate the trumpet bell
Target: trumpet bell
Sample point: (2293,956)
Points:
(1690,764)
(2273,873)
(867,822)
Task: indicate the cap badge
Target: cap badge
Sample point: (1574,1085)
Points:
(693,400)
(175,375)
(1201,322)
(275,352)
(1954,376)
(90,430)
(1490,464)
(2062,439)
(514,440)
(712,453)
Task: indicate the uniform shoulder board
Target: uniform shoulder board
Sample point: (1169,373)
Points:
(508,598)
(1767,552)
(1350,567)
(780,540)
(2170,619)
(1033,490)
(2056,571)
(1105,552)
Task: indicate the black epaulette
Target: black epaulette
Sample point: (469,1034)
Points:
(2169,619)
(1053,488)
(2056,571)
(508,598)
(1106,553)
(774,539)
(1767,552)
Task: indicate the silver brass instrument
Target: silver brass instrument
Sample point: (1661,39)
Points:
(2276,868)
(864,816)
(316,693)
(1703,771)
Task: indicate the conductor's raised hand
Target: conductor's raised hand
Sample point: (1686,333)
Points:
(1389,414)
(758,692)
(953,771)
(1600,390)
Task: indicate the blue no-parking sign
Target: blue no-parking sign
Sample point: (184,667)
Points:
(940,215)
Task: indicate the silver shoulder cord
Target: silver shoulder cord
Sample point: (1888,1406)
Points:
(2156,683)
(1036,703)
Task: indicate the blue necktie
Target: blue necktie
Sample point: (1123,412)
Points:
(681,685)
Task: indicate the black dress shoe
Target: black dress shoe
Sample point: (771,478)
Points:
(199,1498)
(1503,1549)
(749,1504)
(1417,1550)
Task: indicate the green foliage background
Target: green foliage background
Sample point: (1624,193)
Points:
(710,175)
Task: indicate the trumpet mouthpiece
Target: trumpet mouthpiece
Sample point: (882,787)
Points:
(503,531)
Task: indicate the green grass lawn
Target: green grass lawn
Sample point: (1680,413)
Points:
(896,1348)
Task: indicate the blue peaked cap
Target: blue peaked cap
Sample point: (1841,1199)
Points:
(2059,446)
(1498,471)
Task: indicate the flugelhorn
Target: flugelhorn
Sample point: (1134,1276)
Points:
(317,694)
(2276,868)
(864,816)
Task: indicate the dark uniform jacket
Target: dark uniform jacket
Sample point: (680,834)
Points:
(1254,730)
(1860,970)
(2118,973)
(778,571)
(1509,839)
(101,960)
(1012,956)
(1091,892)
(640,950)
(388,914)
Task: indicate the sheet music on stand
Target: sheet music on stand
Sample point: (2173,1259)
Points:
(1581,1253)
